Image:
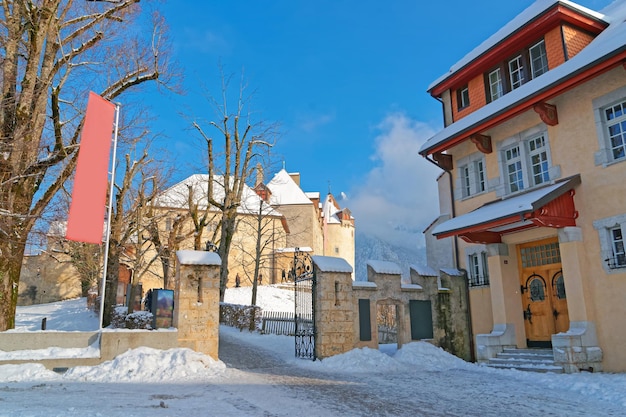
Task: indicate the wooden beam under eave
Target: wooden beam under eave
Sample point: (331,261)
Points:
(547,113)
(482,142)
(444,160)
(481,237)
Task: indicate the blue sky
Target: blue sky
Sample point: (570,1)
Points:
(345,80)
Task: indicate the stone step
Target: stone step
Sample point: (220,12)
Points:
(533,360)
(523,355)
(533,351)
(529,367)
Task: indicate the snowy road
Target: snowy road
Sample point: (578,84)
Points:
(457,392)
(262,378)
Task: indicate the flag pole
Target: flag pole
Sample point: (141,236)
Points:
(110,210)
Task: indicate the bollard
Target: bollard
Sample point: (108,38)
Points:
(43,323)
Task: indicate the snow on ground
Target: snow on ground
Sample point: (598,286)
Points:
(419,379)
(269,297)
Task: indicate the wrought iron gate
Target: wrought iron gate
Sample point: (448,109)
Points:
(304,286)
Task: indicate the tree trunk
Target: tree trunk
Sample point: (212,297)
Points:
(110,297)
(228,230)
(10,268)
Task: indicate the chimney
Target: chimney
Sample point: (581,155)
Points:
(295,176)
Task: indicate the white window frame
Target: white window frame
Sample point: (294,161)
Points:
(538,63)
(605,154)
(477,265)
(496,86)
(514,168)
(472,176)
(517,161)
(608,253)
(464,98)
(516,72)
(543,163)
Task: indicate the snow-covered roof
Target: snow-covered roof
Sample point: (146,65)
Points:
(331,264)
(424,270)
(453,272)
(330,210)
(178,195)
(196,257)
(313,195)
(609,42)
(517,205)
(385,267)
(285,191)
(529,14)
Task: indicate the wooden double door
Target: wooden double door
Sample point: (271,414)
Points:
(544,300)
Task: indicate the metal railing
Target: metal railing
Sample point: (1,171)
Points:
(478,281)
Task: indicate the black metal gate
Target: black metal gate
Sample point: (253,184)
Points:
(304,285)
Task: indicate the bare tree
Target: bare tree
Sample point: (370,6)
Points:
(51,52)
(244,142)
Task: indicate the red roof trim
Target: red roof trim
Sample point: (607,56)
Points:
(518,40)
(543,96)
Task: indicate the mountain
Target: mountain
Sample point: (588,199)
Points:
(369,247)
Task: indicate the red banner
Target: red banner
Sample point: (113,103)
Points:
(86,218)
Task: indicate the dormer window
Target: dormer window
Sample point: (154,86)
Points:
(516,72)
(522,67)
(496,89)
(538,58)
(462,97)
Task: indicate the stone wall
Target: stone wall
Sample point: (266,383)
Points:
(342,324)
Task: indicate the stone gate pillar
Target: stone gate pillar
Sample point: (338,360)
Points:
(197,301)
(334,314)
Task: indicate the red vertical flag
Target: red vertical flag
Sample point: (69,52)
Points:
(86,217)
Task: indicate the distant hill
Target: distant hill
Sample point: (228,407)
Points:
(368,247)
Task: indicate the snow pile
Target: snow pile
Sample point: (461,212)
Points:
(151,365)
(26,372)
(428,357)
(361,360)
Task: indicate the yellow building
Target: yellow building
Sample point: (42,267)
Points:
(533,153)
(279,215)
(320,227)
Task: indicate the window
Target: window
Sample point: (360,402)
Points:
(480,175)
(478,269)
(610,119)
(516,72)
(615,119)
(514,173)
(462,97)
(538,59)
(526,164)
(611,231)
(472,175)
(539,160)
(465,181)
(617,243)
(496,89)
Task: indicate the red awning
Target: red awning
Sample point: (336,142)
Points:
(550,206)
